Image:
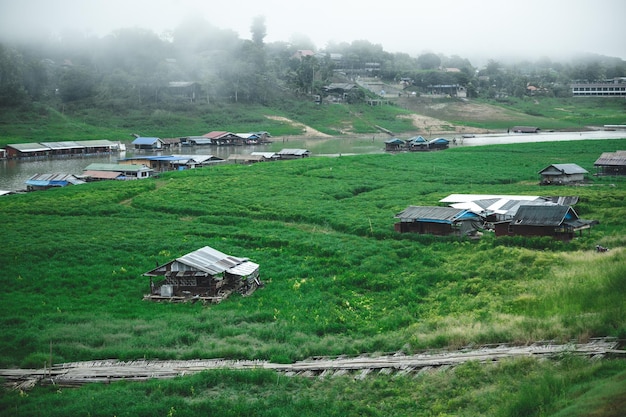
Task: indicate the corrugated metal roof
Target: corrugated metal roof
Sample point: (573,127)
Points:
(63,145)
(247,135)
(417,139)
(210,260)
(567,169)
(96,143)
(562,200)
(116,167)
(244,269)
(200,158)
(216,134)
(395,141)
(460,198)
(441,141)
(237,157)
(145,141)
(201,141)
(617,158)
(431,213)
(105,175)
(543,215)
(29,147)
(56,180)
(293,152)
(266,155)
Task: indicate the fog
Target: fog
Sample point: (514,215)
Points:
(471,29)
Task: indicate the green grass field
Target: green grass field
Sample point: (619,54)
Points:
(338,279)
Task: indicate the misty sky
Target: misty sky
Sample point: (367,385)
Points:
(479,28)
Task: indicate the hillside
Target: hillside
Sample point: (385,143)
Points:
(338,281)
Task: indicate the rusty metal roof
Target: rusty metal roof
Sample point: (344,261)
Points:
(617,158)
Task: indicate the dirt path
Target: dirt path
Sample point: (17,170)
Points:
(306,130)
(105,371)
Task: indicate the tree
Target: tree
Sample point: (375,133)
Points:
(11,68)
(259,31)
(77,83)
(428,61)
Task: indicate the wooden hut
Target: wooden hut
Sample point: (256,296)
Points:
(556,221)
(442,221)
(395,144)
(611,163)
(562,174)
(206,274)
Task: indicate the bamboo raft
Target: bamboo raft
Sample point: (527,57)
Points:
(106,371)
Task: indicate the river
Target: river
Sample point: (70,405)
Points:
(14,172)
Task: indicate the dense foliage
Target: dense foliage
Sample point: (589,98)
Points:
(338,279)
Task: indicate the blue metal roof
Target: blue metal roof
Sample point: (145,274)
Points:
(145,141)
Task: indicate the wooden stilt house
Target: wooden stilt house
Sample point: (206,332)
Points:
(206,275)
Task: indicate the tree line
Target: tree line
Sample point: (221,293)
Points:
(133,67)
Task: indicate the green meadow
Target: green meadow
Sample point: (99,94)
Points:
(338,281)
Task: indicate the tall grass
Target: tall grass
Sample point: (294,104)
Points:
(339,279)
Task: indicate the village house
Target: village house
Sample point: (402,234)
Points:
(395,144)
(206,274)
(61,149)
(142,143)
(611,163)
(116,171)
(441,221)
(46,181)
(164,163)
(496,208)
(417,143)
(557,221)
(293,153)
(27,150)
(223,138)
(562,174)
(438,144)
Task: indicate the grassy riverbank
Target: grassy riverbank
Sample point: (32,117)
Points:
(403,116)
(338,279)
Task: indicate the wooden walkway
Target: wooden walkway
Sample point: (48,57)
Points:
(106,371)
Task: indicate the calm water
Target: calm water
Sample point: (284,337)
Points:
(14,172)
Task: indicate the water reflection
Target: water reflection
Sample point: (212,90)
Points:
(14,172)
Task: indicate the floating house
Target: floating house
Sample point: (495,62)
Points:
(164,163)
(223,138)
(206,275)
(417,143)
(438,144)
(67,148)
(293,153)
(395,144)
(47,181)
(141,143)
(116,171)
